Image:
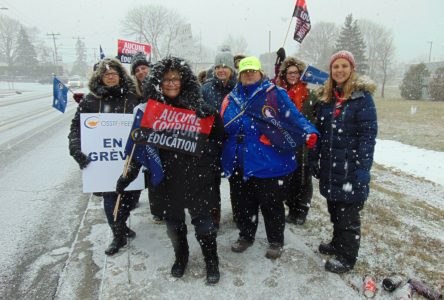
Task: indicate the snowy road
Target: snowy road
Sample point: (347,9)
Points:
(41,206)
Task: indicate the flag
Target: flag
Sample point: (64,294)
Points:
(60,94)
(283,125)
(303,24)
(314,75)
(102,54)
(146,155)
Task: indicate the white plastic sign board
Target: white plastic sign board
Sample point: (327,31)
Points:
(103,140)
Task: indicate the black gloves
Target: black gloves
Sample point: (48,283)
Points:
(280,56)
(132,173)
(81,159)
(122,184)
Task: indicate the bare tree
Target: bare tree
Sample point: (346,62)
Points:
(318,46)
(164,29)
(380,50)
(9,31)
(237,45)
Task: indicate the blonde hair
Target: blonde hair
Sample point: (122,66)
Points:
(349,87)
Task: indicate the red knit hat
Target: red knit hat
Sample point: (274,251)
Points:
(343,54)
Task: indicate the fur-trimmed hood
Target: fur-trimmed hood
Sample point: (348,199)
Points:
(190,95)
(96,86)
(291,61)
(363,84)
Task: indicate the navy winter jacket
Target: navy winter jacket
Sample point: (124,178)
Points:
(346,146)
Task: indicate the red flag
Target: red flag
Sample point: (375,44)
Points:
(303,24)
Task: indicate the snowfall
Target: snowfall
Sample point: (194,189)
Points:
(53,237)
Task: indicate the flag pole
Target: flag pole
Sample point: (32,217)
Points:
(124,173)
(288,30)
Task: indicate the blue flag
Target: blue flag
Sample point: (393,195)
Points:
(102,54)
(279,120)
(313,75)
(144,154)
(60,92)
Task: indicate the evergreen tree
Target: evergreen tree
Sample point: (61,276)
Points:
(350,39)
(413,82)
(80,66)
(25,54)
(436,86)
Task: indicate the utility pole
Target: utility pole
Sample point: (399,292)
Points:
(55,46)
(430,51)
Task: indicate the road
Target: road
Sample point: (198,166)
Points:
(41,205)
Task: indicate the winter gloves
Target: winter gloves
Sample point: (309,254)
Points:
(205,110)
(280,56)
(124,181)
(81,159)
(312,138)
(78,96)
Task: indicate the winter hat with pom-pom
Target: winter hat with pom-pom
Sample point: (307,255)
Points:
(224,58)
(345,55)
(138,59)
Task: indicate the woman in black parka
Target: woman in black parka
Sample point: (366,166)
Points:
(111,91)
(343,157)
(190,181)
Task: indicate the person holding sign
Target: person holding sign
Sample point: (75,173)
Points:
(300,186)
(188,133)
(111,91)
(264,128)
(343,157)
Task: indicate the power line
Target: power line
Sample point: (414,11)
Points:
(55,46)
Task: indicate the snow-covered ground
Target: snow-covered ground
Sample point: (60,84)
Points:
(40,193)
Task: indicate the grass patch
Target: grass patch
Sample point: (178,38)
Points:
(416,123)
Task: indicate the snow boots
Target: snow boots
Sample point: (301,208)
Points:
(274,251)
(208,245)
(327,248)
(119,240)
(180,244)
(241,245)
(338,265)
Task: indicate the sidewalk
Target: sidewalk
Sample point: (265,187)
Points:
(142,269)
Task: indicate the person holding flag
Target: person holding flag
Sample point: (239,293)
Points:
(300,187)
(343,157)
(111,91)
(190,182)
(263,128)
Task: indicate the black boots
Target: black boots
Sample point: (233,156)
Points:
(208,245)
(327,248)
(119,240)
(180,245)
(338,265)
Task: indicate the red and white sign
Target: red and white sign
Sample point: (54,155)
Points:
(126,50)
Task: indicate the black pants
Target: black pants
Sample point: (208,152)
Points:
(126,203)
(300,191)
(203,224)
(346,221)
(248,196)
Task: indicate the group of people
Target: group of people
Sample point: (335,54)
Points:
(269,137)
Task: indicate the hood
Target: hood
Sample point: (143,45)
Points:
(190,94)
(362,84)
(96,85)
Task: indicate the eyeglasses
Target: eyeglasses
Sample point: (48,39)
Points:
(111,74)
(173,81)
(293,73)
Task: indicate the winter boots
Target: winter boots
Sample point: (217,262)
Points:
(119,240)
(181,252)
(274,251)
(295,219)
(241,245)
(327,248)
(338,265)
(208,245)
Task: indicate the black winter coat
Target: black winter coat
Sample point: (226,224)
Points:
(190,181)
(102,99)
(346,146)
(214,91)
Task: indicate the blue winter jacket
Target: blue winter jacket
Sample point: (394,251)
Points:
(346,146)
(244,147)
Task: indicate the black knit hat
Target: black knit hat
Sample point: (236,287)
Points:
(138,59)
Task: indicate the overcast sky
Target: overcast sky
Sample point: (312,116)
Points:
(414,23)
